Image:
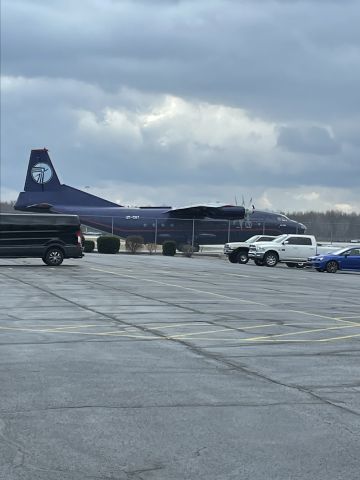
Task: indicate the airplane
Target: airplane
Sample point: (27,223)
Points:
(201,224)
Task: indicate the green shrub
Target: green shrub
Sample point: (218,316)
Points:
(169,248)
(108,244)
(89,246)
(134,243)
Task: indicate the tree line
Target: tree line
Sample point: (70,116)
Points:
(332,225)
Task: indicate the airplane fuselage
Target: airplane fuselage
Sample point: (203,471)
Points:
(201,224)
(156,225)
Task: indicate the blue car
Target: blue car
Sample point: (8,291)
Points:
(347,258)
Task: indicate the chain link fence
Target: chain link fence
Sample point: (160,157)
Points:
(206,232)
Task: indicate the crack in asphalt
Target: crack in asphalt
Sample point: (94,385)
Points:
(155,406)
(20,451)
(197,350)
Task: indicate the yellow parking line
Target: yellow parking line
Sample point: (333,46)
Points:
(304,332)
(118,333)
(336,319)
(172,325)
(56,329)
(52,326)
(199,333)
(339,338)
(253,340)
(237,275)
(229,329)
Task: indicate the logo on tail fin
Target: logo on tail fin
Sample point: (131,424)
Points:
(41,173)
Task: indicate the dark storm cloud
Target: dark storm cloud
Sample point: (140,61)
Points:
(315,140)
(269,91)
(275,58)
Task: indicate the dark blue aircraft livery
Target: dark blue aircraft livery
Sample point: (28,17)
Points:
(203,224)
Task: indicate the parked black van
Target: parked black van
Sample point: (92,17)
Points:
(50,237)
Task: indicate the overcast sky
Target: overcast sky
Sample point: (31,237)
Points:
(176,102)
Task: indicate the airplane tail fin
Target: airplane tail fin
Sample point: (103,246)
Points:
(41,175)
(43,190)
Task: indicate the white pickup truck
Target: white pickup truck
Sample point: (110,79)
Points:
(237,252)
(293,250)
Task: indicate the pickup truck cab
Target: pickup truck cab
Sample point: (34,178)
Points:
(294,250)
(237,252)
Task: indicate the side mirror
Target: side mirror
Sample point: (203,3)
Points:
(285,242)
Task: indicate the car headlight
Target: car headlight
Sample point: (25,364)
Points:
(319,259)
(260,249)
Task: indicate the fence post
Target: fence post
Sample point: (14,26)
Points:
(155,234)
(112,225)
(193,233)
(229,230)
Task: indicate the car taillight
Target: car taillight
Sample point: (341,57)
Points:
(79,236)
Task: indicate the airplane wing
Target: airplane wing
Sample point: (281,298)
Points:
(205,210)
(39,207)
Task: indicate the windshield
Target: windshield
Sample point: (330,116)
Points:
(340,251)
(252,239)
(280,238)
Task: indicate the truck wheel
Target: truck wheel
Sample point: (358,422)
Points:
(271,259)
(332,266)
(290,265)
(238,257)
(242,257)
(233,257)
(259,263)
(54,257)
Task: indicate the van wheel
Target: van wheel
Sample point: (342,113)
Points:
(54,257)
(271,259)
(332,266)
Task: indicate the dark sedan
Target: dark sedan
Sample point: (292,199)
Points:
(347,258)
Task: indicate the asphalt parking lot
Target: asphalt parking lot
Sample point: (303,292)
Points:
(158,368)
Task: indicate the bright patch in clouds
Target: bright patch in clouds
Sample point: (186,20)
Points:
(311,196)
(205,130)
